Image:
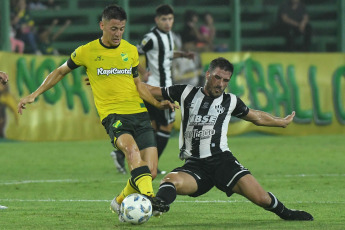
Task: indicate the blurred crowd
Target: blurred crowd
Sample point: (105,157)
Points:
(26,36)
(198,33)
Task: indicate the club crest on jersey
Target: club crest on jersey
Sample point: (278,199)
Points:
(99,58)
(124,57)
(220,109)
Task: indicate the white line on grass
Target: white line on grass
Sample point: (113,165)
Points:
(177,201)
(121,181)
(50,181)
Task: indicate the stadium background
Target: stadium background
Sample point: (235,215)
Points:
(312,83)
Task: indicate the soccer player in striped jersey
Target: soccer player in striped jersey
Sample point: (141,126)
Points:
(158,47)
(112,67)
(206,113)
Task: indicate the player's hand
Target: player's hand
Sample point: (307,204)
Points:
(87,81)
(189,55)
(26,100)
(3,78)
(168,105)
(288,119)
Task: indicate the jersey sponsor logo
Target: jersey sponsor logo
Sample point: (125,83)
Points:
(220,109)
(101,71)
(200,134)
(202,120)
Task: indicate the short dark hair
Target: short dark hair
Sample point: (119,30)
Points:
(221,63)
(164,10)
(114,12)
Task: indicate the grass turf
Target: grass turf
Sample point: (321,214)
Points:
(69,185)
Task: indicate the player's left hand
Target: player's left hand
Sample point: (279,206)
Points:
(288,119)
(3,78)
(168,105)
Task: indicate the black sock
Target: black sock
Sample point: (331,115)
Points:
(278,207)
(162,141)
(167,192)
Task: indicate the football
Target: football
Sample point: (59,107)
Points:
(136,209)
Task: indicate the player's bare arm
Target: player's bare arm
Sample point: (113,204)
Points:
(261,118)
(3,78)
(182,54)
(52,79)
(147,96)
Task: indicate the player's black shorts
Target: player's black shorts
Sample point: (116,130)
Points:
(222,170)
(162,117)
(138,125)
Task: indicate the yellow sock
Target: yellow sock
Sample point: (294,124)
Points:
(142,179)
(144,183)
(129,189)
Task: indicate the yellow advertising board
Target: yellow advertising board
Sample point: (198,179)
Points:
(311,84)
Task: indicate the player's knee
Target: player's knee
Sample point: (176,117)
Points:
(174,179)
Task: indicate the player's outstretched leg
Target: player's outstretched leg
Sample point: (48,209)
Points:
(287,214)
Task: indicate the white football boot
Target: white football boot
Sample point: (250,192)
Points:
(115,208)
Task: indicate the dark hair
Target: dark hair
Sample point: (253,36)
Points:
(114,12)
(221,63)
(164,10)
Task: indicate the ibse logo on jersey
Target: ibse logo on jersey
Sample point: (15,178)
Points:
(101,71)
(202,120)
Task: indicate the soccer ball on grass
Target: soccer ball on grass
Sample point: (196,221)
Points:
(136,209)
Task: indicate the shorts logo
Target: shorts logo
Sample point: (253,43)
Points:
(117,124)
(124,57)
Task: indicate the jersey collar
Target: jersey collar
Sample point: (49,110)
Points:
(108,47)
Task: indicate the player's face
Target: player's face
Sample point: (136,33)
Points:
(112,31)
(216,82)
(165,22)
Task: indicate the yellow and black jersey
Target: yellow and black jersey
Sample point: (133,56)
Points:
(111,71)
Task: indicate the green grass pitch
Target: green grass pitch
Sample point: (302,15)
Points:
(69,185)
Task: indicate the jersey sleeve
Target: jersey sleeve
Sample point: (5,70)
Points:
(173,93)
(77,57)
(146,44)
(241,109)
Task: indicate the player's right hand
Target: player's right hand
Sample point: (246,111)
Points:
(168,105)
(26,100)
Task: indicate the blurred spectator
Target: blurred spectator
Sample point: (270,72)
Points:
(37,5)
(191,38)
(24,25)
(208,32)
(43,5)
(47,37)
(17,45)
(293,22)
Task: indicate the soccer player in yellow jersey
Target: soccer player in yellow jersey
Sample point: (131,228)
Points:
(112,67)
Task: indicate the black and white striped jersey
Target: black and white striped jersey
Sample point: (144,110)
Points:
(159,51)
(204,120)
